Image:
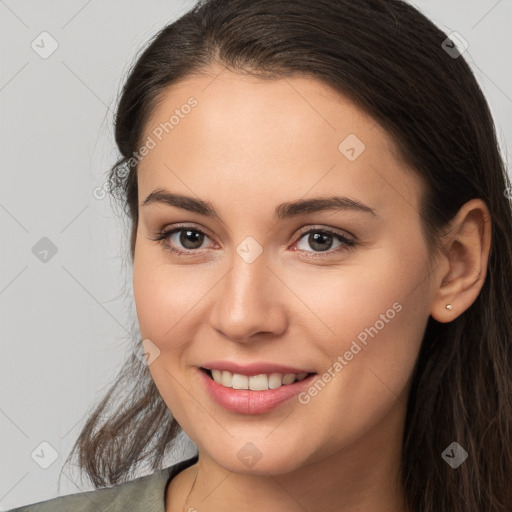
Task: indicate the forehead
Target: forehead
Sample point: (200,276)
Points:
(227,100)
(290,134)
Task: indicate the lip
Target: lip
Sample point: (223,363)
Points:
(247,401)
(253,368)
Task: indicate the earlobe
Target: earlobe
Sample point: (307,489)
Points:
(445,316)
(467,248)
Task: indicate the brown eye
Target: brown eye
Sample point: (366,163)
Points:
(189,238)
(184,240)
(321,240)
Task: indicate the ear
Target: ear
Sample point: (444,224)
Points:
(463,263)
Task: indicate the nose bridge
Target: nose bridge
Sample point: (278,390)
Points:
(247,302)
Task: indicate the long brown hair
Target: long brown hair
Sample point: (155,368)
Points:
(396,65)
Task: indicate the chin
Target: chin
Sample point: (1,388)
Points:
(250,459)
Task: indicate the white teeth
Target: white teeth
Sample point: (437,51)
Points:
(257,382)
(226,379)
(260,382)
(289,378)
(275,380)
(240,381)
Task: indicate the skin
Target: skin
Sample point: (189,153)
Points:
(246,147)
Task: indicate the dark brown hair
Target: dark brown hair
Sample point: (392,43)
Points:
(393,63)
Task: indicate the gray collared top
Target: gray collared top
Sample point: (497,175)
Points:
(144,494)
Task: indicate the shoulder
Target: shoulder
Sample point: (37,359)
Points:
(145,493)
(124,496)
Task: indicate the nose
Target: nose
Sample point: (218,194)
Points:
(249,302)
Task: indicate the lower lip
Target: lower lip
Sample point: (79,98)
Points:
(247,401)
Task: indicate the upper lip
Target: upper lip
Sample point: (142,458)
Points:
(253,368)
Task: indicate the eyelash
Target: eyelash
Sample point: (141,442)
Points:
(163,234)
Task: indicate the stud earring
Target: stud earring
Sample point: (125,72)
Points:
(449,306)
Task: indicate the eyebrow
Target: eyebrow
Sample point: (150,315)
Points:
(282,211)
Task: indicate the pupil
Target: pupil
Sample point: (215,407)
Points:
(190,236)
(315,237)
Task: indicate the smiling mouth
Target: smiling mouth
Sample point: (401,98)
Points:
(262,382)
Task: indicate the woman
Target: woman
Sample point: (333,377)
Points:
(322,252)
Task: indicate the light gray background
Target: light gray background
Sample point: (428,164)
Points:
(64,323)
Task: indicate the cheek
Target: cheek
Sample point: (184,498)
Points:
(376,333)
(166,296)
(353,297)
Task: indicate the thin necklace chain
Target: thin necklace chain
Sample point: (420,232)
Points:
(185,507)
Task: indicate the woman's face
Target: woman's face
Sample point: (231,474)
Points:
(266,282)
